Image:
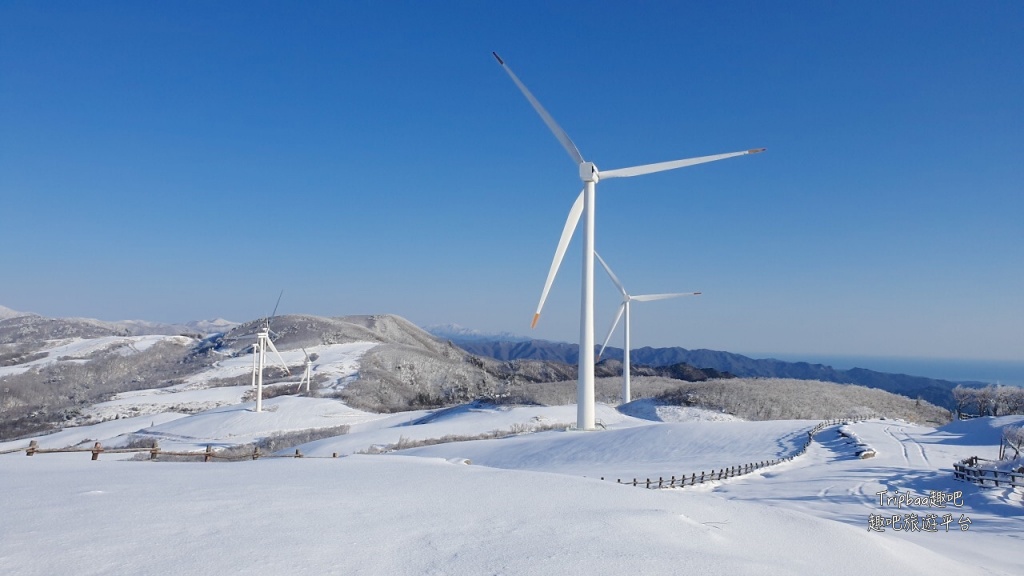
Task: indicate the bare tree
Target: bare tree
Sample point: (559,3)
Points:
(985,399)
(963,397)
(1013,437)
(1010,400)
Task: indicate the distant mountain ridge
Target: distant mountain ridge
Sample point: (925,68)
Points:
(455,332)
(936,391)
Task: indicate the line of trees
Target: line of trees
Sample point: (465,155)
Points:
(992,400)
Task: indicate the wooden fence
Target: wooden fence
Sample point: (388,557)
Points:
(971,470)
(731,472)
(155,452)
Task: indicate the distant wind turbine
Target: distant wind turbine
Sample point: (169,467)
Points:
(307,376)
(259,353)
(584,205)
(627,298)
(263,342)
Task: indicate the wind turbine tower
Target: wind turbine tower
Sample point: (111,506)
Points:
(584,206)
(307,376)
(627,298)
(259,360)
(259,353)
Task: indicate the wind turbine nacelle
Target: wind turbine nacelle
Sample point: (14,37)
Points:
(588,172)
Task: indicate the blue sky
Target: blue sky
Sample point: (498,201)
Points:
(190,160)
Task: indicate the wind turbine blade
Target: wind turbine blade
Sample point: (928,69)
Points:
(650,297)
(274,313)
(274,348)
(611,274)
(563,243)
(552,125)
(671,165)
(622,308)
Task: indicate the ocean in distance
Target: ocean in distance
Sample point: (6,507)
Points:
(1008,372)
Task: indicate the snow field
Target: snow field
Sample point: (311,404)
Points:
(401,515)
(529,504)
(831,482)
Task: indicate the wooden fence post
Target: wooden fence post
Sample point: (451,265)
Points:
(96,449)
(695,477)
(297,453)
(255,452)
(154,450)
(33,446)
(208,454)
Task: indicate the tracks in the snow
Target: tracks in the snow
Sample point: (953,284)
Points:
(920,453)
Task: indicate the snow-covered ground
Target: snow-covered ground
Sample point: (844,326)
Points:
(335,365)
(337,361)
(79,349)
(528,504)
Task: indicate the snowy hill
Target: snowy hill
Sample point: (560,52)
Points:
(528,504)
(6,313)
(390,492)
(76,371)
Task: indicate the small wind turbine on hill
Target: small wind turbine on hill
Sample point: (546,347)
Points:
(259,353)
(307,376)
(263,342)
(584,205)
(624,310)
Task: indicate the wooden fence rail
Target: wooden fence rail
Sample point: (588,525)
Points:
(210,454)
(155,452)
(970,470)
(731,472)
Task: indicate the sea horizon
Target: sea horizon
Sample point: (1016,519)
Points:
(1006,372)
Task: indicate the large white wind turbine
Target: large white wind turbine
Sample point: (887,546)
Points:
(585,205)
(624,311)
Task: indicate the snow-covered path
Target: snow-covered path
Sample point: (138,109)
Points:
(830,481)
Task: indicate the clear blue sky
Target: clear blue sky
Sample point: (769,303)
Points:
(176,161)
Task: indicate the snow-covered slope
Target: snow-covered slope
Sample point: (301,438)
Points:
(400,514)
(532,502)
(82,349)
(6,313)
